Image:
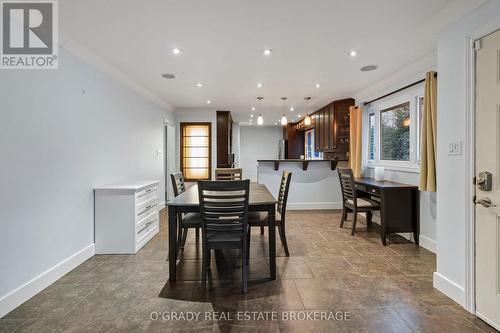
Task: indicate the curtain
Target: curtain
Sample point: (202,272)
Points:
(428,136)
(355,119)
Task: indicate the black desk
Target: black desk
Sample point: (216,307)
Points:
(399,205)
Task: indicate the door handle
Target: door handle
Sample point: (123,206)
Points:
(485,202)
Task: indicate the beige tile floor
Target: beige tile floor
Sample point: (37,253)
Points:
(384,289)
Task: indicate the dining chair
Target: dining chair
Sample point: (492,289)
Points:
(228,174)
(350,201)
(257,219)
(224,211)
(185,221)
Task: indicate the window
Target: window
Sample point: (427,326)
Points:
(420,110)
(196,151)
(395,133)
(311,153)
(371,137)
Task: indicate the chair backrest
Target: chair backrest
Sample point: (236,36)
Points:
(347,186)
(228,174)
(224,205)
(286,176)
(177,182)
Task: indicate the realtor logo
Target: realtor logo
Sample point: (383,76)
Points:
(29,35)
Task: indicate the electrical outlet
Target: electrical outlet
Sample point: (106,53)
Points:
(159,153)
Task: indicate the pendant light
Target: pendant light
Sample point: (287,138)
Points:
(307,119)
(260,120)
(284,121)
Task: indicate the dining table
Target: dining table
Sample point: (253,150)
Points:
(260,200)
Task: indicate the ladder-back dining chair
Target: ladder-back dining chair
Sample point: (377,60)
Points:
(260,219)
(228,174)
(350,201)
(185,221)
(224,212)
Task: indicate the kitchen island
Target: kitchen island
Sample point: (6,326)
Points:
(314,184)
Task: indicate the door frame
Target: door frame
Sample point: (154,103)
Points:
(470,158)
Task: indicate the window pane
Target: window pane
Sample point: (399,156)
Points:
(371,137)
(420,116)
(395,133)
(195,145)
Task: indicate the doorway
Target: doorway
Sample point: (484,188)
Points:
(169,163)
(487,175)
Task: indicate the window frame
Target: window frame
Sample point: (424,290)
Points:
(375,108)
(369,158)
(182,125)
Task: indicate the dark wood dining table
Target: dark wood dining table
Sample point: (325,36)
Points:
(260,200)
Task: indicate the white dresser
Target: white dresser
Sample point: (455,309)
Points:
(126,216)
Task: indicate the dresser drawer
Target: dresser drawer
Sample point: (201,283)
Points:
(145,208)
(146,194)
(373,190)
(146,224)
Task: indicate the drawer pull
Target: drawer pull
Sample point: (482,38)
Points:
(145,227)
(148,207)
(149,190)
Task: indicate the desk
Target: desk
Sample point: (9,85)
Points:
(399,205)
(260,200)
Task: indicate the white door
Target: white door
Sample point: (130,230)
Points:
(488,160)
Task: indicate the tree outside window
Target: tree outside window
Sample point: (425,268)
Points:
(395,133)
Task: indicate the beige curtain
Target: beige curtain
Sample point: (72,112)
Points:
(355,140)
(428,136)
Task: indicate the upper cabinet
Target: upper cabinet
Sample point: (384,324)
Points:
(331,128)
(225,156)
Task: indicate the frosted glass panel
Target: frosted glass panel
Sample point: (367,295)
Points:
(196,151)
(196,173)
(196,141)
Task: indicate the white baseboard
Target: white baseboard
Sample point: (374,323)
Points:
(20,295)
(449,288)
(161,205)
(427,243)
(313,205)
(488,321)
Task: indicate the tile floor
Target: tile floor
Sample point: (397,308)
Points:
(382,289)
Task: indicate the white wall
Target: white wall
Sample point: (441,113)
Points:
(196,115)
(258,143)
(451,276)
(62,132)
(411,73)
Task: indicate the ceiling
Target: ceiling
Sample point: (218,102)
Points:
(222,45)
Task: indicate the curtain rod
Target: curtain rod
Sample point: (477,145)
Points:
(396,91)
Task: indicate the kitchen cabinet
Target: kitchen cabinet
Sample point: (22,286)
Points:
(225,156)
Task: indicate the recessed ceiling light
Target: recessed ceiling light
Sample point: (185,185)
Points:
(298,115)
(168,76)
(318,85)
(253,109)
(251,116)
(199,84)
(291,108)
(209,101)
(353,53)
(275,124)
(259,85)
(267,52)
(176,51)
(368,68)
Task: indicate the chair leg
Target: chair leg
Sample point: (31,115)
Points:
(184,236)
(197,235)
(179,238)
(344,216)
(248,244)
(244,266)
(209,258)
(204,269)
(281,230)
(369,216)
(354,218)
(261,230)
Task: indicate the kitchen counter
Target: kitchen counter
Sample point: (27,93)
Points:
(314,184)
(305,163)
